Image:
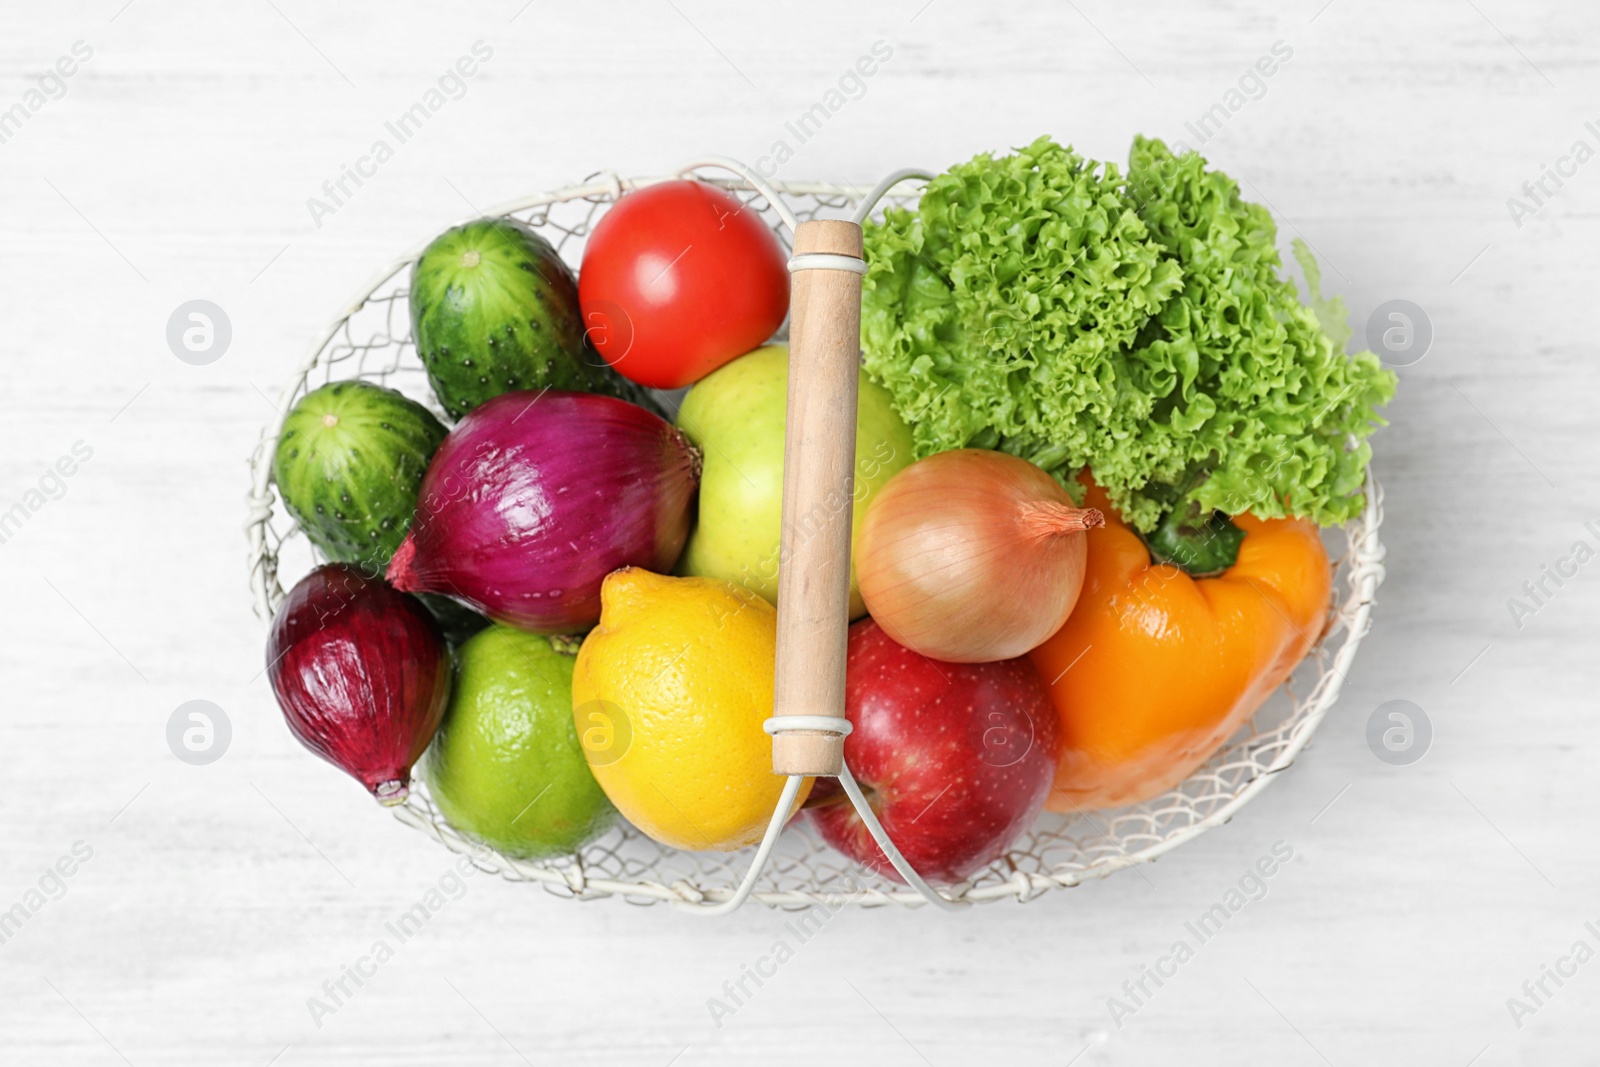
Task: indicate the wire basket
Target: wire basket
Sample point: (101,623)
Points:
(371,340)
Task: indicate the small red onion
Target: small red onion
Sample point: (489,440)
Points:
(362,675)
(535,497)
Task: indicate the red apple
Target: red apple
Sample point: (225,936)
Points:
(955,758)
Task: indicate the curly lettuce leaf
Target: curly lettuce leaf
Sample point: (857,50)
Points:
(1142,329)
(1330,311)
(999,312)
(1276,417)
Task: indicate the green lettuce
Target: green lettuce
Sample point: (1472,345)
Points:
(1139,326)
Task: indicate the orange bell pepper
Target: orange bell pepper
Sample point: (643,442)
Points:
(1154,669)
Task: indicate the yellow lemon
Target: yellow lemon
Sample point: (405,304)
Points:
(668,694)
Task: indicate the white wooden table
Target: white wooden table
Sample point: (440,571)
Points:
(177,163)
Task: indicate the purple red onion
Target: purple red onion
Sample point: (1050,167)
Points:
(535,497)
(362,674)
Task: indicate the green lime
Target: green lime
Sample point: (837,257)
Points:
(506,767)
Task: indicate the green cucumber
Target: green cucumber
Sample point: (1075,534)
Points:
(349,464)
(493,308)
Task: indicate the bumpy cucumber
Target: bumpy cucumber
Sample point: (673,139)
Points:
(348,466)
(493,308)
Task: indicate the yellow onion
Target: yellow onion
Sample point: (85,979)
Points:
(972,556)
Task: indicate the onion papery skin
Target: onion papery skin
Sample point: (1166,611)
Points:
(362,674)
(535,497)
(972,556)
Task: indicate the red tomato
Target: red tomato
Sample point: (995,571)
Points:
(678,279)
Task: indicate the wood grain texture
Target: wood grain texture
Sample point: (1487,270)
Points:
(818,494)
(218,899)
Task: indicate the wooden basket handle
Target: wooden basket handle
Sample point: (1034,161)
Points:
(819,447)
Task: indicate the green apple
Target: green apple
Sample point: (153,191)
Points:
(736,416)
(506,767)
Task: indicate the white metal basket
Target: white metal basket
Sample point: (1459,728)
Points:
(371,339)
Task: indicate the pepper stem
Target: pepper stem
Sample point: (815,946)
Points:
(1200,545)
